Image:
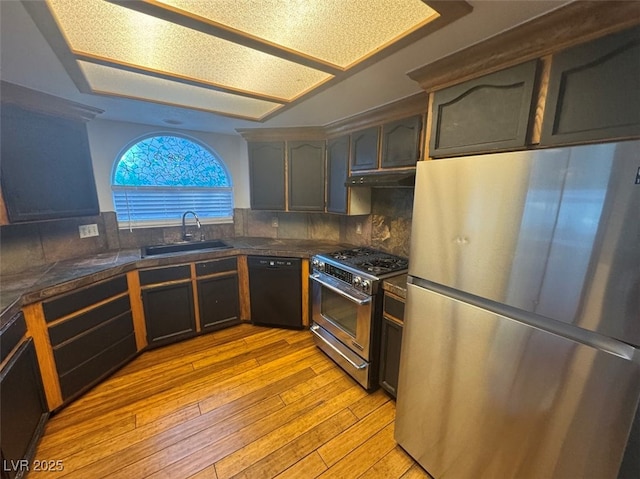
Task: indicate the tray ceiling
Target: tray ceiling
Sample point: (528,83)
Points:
(247,59)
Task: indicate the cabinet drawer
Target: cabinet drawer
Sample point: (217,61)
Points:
(84,322)
(11,335)
(82,348)
(163,275)
(63,305)
(217,266)
(393,307)
(97,367)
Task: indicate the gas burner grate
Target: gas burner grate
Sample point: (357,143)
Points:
(369,260)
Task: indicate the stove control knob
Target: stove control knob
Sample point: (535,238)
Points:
(320,265)
(366,286)
(315,262)
(357,281)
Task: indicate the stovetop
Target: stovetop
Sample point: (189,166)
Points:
(367,260)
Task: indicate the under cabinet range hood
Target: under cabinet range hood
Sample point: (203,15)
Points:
(405,179)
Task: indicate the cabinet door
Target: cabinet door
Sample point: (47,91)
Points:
(364,149)
(594,91)
(46,166)
(169,313)
(266,175)
(390,347)
(401,142)
(337,171)
(219,302)
(24,411)
(485,114)
(306,175)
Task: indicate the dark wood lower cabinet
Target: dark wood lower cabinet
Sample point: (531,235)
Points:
(391,341)
(91,333)
(23,412)
(390,347)
(88,357)
(219,302)
(169,313)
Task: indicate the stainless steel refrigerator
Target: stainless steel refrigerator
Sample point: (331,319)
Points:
(520,354)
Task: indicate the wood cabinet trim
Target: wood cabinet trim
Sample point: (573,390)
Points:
(243,285)
(415,104)
(305,292)
(37,327)
(575,23)
(165,283)
(137,310)
(196,300)
(544,70)
(86,309)
(281,134)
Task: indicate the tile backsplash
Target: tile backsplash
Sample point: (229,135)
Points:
(388,228)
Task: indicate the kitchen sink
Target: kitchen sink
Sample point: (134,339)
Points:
(183,246)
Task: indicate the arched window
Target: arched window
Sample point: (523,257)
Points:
(160,177)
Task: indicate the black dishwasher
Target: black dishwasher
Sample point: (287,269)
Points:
(275,286)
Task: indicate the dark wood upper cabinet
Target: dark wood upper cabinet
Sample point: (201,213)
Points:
(594,91)
(266,175)
(337,172)
(401,142)
(484,114)
(306,175)
(364,149)
(46,169)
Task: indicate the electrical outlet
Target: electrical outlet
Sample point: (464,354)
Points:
(86,231)
(358,228)
(274,221)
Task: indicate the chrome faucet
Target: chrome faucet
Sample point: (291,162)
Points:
(188,236)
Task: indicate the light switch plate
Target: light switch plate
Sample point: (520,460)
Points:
(86,231)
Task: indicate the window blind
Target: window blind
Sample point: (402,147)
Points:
(146,206)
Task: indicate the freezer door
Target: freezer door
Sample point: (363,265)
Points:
(555,232)
(481,395)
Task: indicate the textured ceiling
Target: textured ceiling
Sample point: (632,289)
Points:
(240,58)
(35,54)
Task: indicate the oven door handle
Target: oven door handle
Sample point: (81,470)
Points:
(339,291)
(314,330)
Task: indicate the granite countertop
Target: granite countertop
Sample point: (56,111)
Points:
(396,285)
(36,284)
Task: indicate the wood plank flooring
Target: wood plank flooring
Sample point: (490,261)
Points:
(246,402)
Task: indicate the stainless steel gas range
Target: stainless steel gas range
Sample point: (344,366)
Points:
(347,307)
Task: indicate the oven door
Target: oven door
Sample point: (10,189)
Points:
(344,312)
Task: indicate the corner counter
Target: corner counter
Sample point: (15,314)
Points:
(36,284)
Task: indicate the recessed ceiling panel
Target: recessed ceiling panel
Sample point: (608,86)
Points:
(338,32)
(111,81)
(111,33)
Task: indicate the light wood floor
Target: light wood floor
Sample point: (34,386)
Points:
(244,402)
